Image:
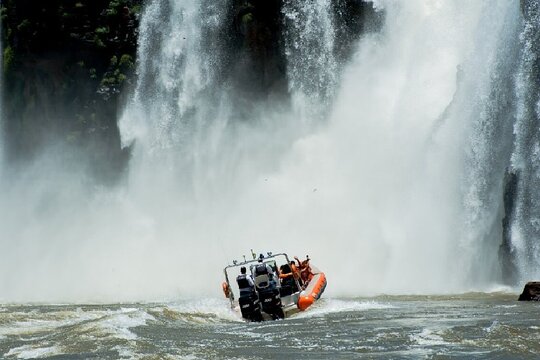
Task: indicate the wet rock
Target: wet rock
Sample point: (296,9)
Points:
(531,292)
(259,64)
(529,9)
(353,18)
(506,250)
(67,67)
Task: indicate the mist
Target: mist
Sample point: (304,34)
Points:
(372,170)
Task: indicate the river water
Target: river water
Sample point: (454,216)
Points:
(466,326)
(389,164)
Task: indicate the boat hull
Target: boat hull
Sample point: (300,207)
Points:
(312,292)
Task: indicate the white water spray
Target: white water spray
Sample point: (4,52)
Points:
(395,200)
(525,161)
(387,189)
(312,67)
(372,192)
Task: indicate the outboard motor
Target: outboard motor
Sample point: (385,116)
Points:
(250,307)
(248,301)
(268,290)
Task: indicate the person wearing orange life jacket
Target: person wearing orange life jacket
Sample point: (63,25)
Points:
(305,270)
(295,272)
(289,275)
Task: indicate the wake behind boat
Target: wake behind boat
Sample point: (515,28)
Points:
(272,286)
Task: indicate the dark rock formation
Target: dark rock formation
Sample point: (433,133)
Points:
(529,9)
(259,61)
(354,18)
(531,292)
(506,253)
(65,64)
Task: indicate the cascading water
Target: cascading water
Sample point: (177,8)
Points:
(371,180)
(176,70)
(485,108)
(312,66)
(525,161)
(388,168)
(399,89)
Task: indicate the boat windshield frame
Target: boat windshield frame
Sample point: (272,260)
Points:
(265,259)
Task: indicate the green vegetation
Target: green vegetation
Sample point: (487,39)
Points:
(247,18)
(66,68)
(9,58)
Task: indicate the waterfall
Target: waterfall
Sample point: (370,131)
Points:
(178,61)
(386,161)
(525,160)
(405,176)
(312,66)
(486,104)
(412,101)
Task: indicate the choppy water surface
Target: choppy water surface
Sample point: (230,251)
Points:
(481,326)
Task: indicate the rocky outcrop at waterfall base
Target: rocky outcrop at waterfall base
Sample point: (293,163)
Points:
(506,256)
(531,292)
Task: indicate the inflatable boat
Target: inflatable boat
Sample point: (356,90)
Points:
(272,287)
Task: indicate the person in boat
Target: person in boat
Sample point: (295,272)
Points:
(295,271)
(289,271)
(269,269)
(305,270)
(248,300)
(245,283)
(266,271)
(288,277)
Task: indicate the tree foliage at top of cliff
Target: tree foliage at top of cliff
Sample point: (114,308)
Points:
(65,65)
(38,28)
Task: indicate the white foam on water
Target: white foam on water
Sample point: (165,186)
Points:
(93,324)
(206,310)
(494,289)
(35,322)
(428,337)
(33,352)
(329,306)
(507,306)
(118,323)
(125,352)
(494,326)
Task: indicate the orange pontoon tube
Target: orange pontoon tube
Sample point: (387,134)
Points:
(312,292)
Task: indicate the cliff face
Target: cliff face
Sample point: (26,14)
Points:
(256,33)
(257,30)
(69,65)
(65,66)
